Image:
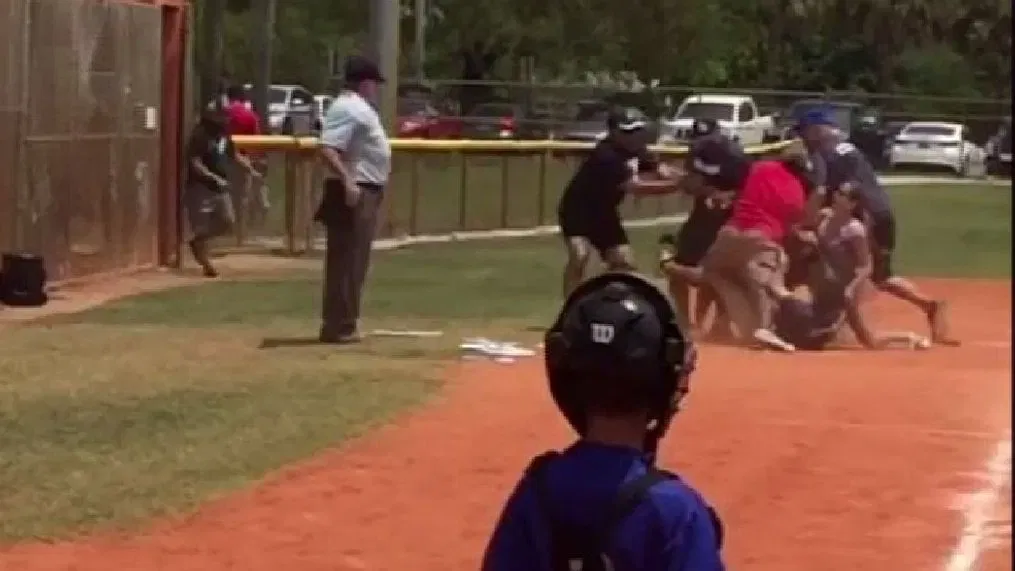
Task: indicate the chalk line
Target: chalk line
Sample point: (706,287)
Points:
(979,508)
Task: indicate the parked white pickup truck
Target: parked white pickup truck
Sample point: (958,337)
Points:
(737,115)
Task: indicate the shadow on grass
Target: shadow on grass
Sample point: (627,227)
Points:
(283,342)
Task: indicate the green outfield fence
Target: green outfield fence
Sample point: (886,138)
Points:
(437,187)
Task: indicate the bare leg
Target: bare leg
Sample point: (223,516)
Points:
(935,310)
(578,250)
(199,249)
(619,259)
(681,279)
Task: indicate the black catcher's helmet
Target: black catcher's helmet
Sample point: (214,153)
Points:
(620,328)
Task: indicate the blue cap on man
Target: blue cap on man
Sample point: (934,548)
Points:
(816,117)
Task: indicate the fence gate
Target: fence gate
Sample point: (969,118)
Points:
(83,97)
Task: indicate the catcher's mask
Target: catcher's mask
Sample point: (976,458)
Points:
(622,328)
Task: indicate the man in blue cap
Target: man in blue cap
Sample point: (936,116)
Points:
(837,162)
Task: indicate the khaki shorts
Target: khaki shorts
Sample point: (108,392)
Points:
(744,257)
(743,267)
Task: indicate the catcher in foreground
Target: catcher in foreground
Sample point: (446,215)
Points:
(619,366)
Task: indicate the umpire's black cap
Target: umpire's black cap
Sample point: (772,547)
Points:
(359,68)
(625,119)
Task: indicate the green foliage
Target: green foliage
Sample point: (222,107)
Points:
(924,46)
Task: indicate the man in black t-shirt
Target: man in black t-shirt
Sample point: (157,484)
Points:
(207,201)
(713,192)
(588,211)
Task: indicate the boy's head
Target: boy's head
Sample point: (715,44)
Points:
(616,351)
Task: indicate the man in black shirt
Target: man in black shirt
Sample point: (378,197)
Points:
(681,255)
(588,211)
(207,201)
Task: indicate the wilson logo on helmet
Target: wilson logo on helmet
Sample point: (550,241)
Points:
(602,333)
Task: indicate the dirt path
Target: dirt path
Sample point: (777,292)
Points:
(834,461)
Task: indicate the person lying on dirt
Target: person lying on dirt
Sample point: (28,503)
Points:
(618,365)
(838,285)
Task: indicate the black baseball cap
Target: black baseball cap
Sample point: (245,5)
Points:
(359,68)
(625,119)
(703,127)
(719,160)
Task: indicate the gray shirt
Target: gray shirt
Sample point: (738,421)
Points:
(838,163)
(351,125)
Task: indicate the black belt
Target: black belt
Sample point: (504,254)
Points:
(371,186)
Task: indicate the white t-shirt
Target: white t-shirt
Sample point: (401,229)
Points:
(353,126)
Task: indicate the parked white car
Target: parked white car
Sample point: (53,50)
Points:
(932,144)
(737,115)
(291,109)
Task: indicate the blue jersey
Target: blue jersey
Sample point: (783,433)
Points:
(836,163)
(673,529)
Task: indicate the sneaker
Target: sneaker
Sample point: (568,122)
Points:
(919,343)
(772,341)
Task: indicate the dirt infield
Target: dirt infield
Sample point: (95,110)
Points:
(833,461)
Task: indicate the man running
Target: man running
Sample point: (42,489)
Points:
(588,211)
(841,162)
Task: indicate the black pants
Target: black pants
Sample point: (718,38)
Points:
(882,246)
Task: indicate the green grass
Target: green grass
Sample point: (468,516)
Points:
(153,404)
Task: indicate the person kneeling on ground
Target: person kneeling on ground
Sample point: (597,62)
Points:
(747,262)
(618,366)
(837,291)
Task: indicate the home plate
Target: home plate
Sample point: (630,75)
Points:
(500,351)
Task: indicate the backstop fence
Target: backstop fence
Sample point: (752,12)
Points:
(83,127)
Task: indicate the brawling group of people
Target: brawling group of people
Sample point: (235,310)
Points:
(815,216)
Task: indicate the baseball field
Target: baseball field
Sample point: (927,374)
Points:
(198,428)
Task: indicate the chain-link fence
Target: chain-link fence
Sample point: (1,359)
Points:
(79,133)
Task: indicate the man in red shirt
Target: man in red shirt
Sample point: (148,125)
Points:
(746,263)
(242,120)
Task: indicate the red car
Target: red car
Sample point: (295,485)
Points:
(418,119)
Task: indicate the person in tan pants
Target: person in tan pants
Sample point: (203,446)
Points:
(746,264)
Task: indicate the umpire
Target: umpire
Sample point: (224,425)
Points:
(356,151)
